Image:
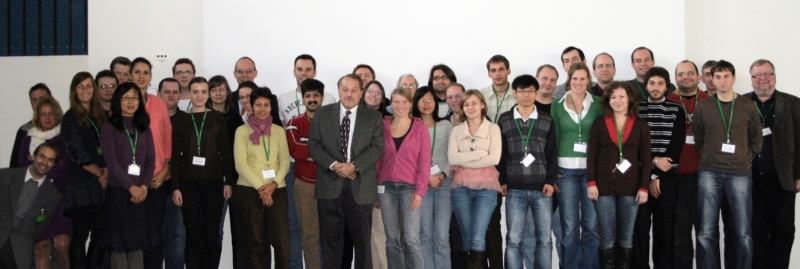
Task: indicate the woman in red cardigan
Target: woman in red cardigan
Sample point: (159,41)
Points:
(618,175)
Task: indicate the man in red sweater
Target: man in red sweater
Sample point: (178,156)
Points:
(305,170)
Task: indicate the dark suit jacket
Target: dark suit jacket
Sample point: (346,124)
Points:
(325,145)
(47,199)
(786,138)
(273,100)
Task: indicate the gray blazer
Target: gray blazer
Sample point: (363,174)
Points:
(47,199)
(786,138)
(324,144)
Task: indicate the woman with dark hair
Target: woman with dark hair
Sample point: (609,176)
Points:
(161,129)
(436,207)
(46,121)
(573,116)
(127,144)
(473,151)
(261,154)
(87,173)
(618,185)
(202,160)
(373,97)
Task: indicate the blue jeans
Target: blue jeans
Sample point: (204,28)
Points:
(617,215)
(396,205)
(473,210)
(556,233)
(174,236)
(518,205)
(295,248)
(738,191)
(435,226)
(581,233)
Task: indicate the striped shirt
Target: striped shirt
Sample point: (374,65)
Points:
(667,129)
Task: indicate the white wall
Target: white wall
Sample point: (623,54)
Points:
(410,36)
(145,28)
(17,77)
(741,33)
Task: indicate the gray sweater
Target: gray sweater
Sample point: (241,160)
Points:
(710,133)
(439,146)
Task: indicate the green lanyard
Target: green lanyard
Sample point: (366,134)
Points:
(730,121)
(763,118)
(199,133)
(95,126)
(580,129)
(527,138)
(499,102)
(297,103)
(640,89)
(696,97)
(267,149)
(133,143)
(620,134)
(433,142)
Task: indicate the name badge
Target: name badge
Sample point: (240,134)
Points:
(435,170)
(690,139)
(199,161)
(623,166)
(99,151)
(766,131)
(41,218)
(268,173)
(528,160)
(381,189)
(134,170)
(728,148)
(579,147)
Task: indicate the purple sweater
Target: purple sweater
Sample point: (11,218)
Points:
(118,155)
(412,163)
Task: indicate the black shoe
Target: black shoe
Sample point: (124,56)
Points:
(607,258)
(624,256)
(475,259)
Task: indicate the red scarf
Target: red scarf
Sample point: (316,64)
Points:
(260,127)
(612,128)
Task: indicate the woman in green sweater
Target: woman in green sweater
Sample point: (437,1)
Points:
(573,116)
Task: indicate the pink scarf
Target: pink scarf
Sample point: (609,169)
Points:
(261,127)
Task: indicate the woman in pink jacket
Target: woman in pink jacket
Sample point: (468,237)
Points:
(403,173)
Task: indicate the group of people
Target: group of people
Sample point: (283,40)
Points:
(409,178)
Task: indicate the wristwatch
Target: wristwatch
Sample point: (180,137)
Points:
(653,177)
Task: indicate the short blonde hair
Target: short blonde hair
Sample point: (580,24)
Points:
(405,93)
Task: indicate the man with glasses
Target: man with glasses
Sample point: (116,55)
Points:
(569,56)
(642,59)
(291,105)
(408,81)
(183,71)
(440,78)
(774,187)
(106,83)
(365,72)
(604,68)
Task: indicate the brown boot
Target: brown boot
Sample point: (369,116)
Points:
(475,259)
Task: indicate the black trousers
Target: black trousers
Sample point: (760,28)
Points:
(334,216)
(686,216)
(457,258)
(156,203)
(494,238)
(7,256)
(239,245)
(202,211)
(664,221)
(641,236)
(86,221)
(263,224)
(773,223)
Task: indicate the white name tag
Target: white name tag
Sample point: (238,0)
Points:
(199,161)
(728,148)
(623,166)
(134,170)
(579,147)
(766,131)
(435,170)
(528,160)
(268,173)
(690,139)
(381,189)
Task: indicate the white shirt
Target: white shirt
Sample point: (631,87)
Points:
(291,104)
(575,162)
(534,115)
(28,176)
(353,112)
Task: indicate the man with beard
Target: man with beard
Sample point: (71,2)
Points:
(667,131)
(440,78)
(28,202)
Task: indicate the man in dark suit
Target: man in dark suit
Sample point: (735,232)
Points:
(346,185)
(27,201)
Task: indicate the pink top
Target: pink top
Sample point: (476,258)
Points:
(412,163)
(161,128)
(473,157)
